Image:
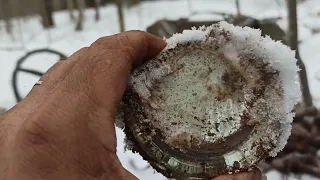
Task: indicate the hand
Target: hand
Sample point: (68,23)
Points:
(64,128)
(252,175)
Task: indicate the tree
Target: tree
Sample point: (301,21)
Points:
(70,6)
(6,9)
(49,11)
(97,4)
(47,14)
(57,5)
(81,7)
(293,43)
(120,14)
(238,7)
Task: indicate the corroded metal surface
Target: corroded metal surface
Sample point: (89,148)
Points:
(197,111)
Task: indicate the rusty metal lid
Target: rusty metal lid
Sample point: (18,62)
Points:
(212,103)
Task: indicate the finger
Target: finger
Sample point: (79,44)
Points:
(110,59)
(252,175)
(139,45)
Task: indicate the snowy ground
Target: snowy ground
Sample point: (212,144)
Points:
(29,35)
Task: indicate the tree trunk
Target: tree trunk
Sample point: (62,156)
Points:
(238,7)
(81,7)
(57,5)
(47,14)
(293,43)
(70,6)
(120,14)
(49,11)
(44,17)
(97,4)
(6,9)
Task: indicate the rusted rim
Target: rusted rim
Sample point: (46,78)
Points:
(260,121)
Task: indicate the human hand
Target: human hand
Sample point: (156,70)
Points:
(255,174)
(64,128)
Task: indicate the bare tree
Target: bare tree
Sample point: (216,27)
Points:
(293,43)
(47,14)
(120,14)
(6,9)
(57,5)
(81,7)
(70,6)
(97,4)
(238,7)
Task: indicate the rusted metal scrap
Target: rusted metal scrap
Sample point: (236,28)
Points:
(301,153)
(206,106)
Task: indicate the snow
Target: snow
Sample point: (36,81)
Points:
(64,39)
(186,36)
(282,59)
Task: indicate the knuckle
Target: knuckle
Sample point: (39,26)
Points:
(137,32)
(57,64)
(99,41)
(132,41)
(83,50)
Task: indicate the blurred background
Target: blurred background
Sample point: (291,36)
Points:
(35,34)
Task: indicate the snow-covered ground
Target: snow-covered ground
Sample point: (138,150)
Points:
(29,35)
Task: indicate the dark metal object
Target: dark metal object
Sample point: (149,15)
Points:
(198,157)
(166,28)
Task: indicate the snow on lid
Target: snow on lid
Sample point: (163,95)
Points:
(279,56)
(186,36)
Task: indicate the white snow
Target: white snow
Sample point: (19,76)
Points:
(64,39)
(280,58)
(186,36)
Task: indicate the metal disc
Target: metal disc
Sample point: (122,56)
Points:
(204,107)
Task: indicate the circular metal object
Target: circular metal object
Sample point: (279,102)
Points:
(208,105)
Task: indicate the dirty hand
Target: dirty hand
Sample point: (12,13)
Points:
(64,128)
